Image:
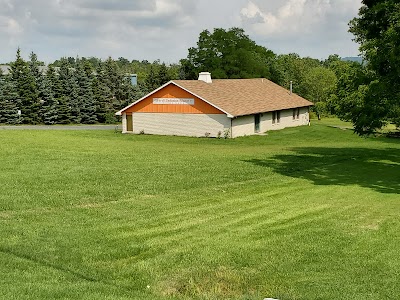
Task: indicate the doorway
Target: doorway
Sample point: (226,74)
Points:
(129,123)
(257,123)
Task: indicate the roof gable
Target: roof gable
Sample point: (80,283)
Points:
(145,101)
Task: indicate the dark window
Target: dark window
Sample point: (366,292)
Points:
(257,123)
(276,117)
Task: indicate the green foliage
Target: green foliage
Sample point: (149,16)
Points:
(227,54)
(86,101)
(48,109)
(319,84)
(22,75)
(377,30)
(9,102)
(292,67)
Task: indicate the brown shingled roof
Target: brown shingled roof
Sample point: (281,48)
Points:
(241,97)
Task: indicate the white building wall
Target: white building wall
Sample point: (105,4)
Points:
(124,124)
(287,119)
(244,125)
(181,124)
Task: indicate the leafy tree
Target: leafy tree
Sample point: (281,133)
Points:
(377,30)
(320,84)
(291,67)
(227,54)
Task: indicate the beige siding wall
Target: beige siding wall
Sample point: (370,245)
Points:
(180,124)
(245,125)
(287,120)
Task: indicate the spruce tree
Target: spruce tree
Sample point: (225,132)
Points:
(114,81)
(36,81)
(9,102)
(162,76)
(85,98)
(102,96)
(63,89)
(26,88)
(151,81)
(48,110)
(74,99)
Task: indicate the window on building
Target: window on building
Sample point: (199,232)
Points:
(276,117)
(296,113)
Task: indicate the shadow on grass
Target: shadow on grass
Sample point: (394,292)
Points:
(378,169)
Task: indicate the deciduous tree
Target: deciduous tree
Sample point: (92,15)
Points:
(377,29)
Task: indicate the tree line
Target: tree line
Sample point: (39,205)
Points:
(89,90)
(74,90)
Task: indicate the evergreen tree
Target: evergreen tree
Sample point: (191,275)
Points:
(26,88)
(102,97)
(114,81)
(36,77)
(151,82)
(85,98)
(48,110)
(74,99)
(9,102)
(65,89)
(63,110)
(162,76)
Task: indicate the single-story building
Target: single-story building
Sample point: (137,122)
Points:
(207,107)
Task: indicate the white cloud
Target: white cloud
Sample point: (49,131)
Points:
(313,26)
(165,29)
(10,26)
(292,17)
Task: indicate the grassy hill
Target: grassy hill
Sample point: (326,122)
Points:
(302,213)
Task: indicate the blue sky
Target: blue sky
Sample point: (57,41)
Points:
(165,29)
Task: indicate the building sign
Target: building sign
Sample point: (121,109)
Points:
(174,101)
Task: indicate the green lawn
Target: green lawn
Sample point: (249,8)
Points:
(302,213)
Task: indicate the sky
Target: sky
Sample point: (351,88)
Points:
(165,29)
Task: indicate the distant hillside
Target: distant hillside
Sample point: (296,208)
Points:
(353,58)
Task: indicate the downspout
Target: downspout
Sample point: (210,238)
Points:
(231,130)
